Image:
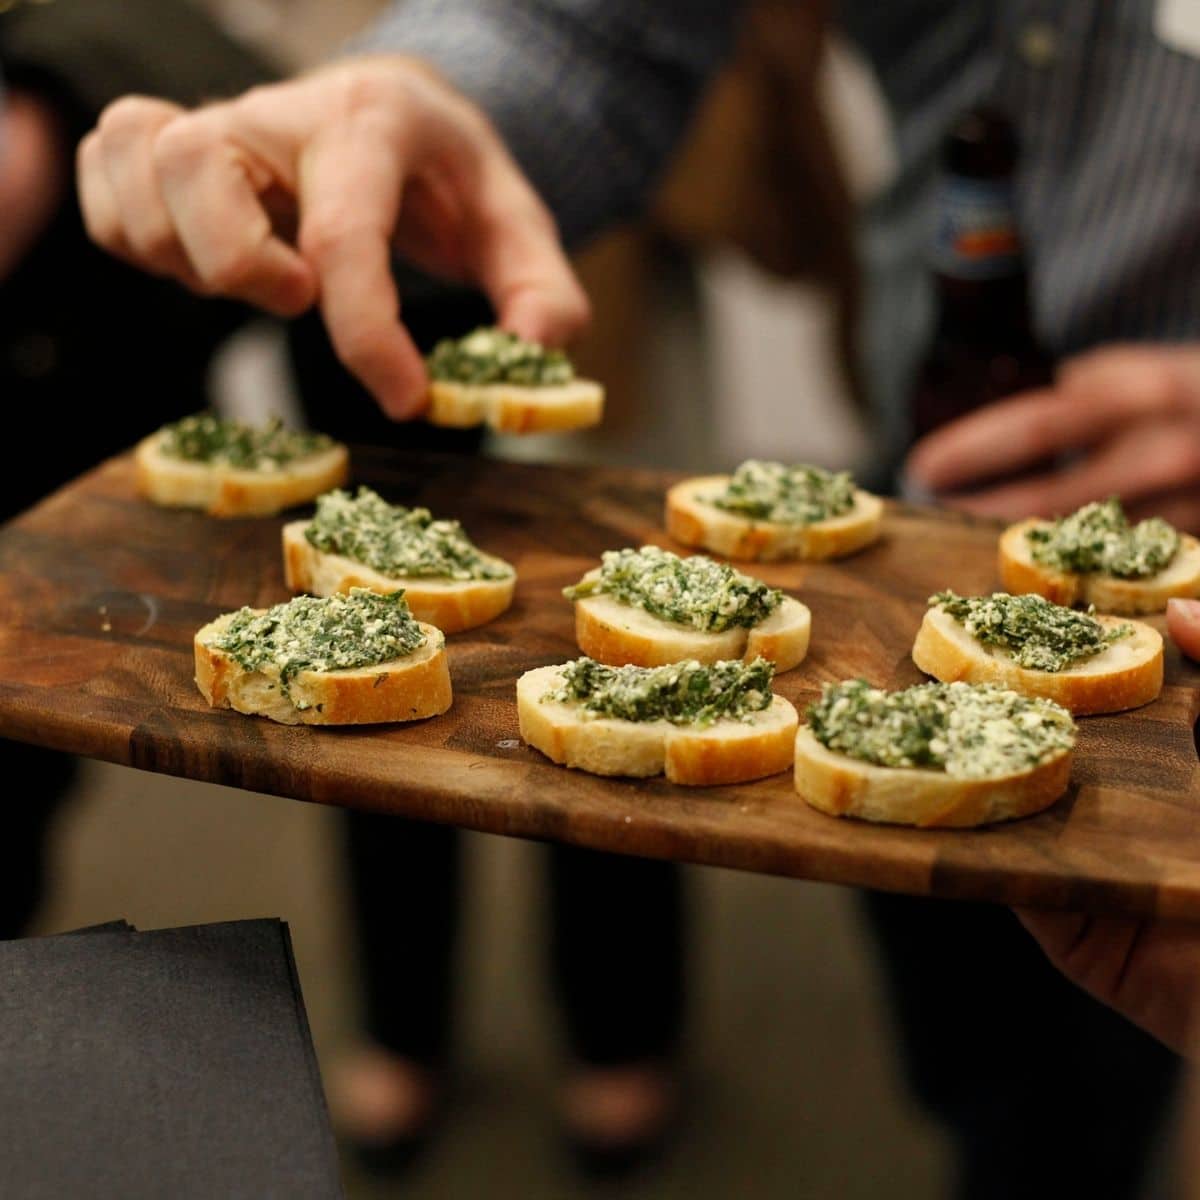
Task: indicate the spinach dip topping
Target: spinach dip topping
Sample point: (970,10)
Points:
(491,355)
(686,693)
(332,633)
(696,591)
(207,438)
(1098,537)
(397,541)
(1040,635)
(769,491)
(970,731)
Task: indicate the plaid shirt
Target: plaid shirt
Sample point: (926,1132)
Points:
(593,94)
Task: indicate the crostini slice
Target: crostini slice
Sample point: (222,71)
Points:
(1087,663)
(746,741)
(363,541)
(766,511)
(339,660)
(515,386)
(1130,569)
(934,755)
(231,469)
(649,607)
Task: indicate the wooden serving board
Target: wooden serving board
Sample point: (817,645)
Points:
(100,594)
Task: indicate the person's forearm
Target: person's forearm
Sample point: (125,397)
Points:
(590,95)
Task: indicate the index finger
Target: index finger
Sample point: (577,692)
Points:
(519,258)
(351,180)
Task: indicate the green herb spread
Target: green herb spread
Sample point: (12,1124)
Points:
(970,731)
(770,491)
(686,693)
(208,438)
(333,633)
(1098,537)
(1039,635)
(493,356)
(694,591)
(397,541)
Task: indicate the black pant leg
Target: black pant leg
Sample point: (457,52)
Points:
(44,777)
(404,884)
(1046,1092)
(617,946)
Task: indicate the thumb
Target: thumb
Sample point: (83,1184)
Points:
(1183,624)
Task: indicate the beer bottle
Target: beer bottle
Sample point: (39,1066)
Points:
(984,346)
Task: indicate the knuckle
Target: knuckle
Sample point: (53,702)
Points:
(126,117)
(230,271)
(155,243)
(262,96)
(335,234)
(183,143)
(371,93)
(321,237)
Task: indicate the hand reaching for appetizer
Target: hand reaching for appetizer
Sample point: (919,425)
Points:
(296,193)
(33,174)
(1125,420)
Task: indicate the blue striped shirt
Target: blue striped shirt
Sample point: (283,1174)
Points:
(593,94)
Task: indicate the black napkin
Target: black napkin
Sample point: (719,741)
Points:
(172,1063)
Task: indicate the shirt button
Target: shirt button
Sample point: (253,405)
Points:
(1038,44)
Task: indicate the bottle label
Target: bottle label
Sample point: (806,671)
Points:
(976,234)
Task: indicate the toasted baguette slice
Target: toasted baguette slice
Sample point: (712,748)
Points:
(726,751)
(1125,675)
(451,604)
(224,491)
(513,408)
(694,522)
(405,689)
(1126,597)
(618,634)
(846,787)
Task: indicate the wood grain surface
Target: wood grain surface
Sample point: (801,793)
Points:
(100,594)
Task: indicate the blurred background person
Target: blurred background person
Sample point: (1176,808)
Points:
(93,352)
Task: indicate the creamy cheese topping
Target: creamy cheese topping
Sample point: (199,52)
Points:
(397,541)
(491,355)
(800,495)
(208,438)
(1099,538)
(1040,635)
(330,633)
(686,693)
(694,591)
(970,731)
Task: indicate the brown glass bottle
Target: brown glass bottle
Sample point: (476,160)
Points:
(984,346)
